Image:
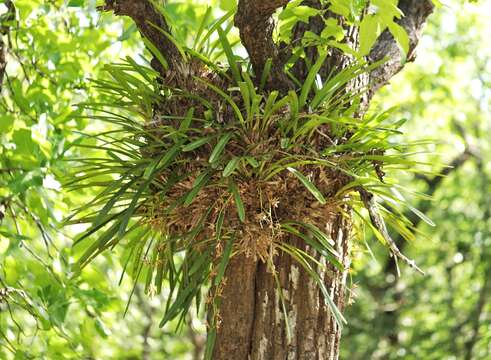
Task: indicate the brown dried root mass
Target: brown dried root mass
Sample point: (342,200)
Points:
(266,204)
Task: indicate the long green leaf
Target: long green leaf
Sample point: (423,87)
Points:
(220,146)
(231,166)
(196,144)
(230,55)
(308,184)
(222,266)
(198,184)
(310,80)
(238,201)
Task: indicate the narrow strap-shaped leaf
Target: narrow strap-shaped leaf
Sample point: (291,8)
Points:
(198,184)
(110,204)
(222,266)
(316,231)
(265,74)
(165,161)
(178,304)
(200,262)
(196,144)
(140,267)
(220,146)
(238,201)
(172,39)
(230,55)
(155,52)
(309,81)
(93,229)
(213,28)
(150,269)
(219,224)
(297,255)
(330,255)
(132,207)
(210,343)
(202,25)
(231,166)
(308,184)
(252,161)
(97,245)
(187,121)
(227,98)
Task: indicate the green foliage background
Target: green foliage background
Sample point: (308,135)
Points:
(445,95)
(57,46)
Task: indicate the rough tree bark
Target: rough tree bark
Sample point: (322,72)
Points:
(252,325)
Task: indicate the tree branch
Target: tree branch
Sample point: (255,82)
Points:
(255,23)
(415,14)
(148,20)
(379,224)
(456,163)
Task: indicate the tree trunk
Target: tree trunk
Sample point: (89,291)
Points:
(252,318)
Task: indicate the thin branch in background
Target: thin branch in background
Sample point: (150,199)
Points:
(5,20)
(10,347)
(433,184)
(44,234)
(12,317)
(29,250)
(456,163)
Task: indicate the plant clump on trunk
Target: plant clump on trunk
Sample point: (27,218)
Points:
(237,186)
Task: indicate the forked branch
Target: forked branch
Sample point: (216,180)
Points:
(256,25)
(150,22)
(415,14)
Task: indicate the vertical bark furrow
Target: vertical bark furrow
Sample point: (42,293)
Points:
(314,332)
(262,346)
(236,314)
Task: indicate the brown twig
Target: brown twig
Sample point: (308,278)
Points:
(391,265)
(379,224)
